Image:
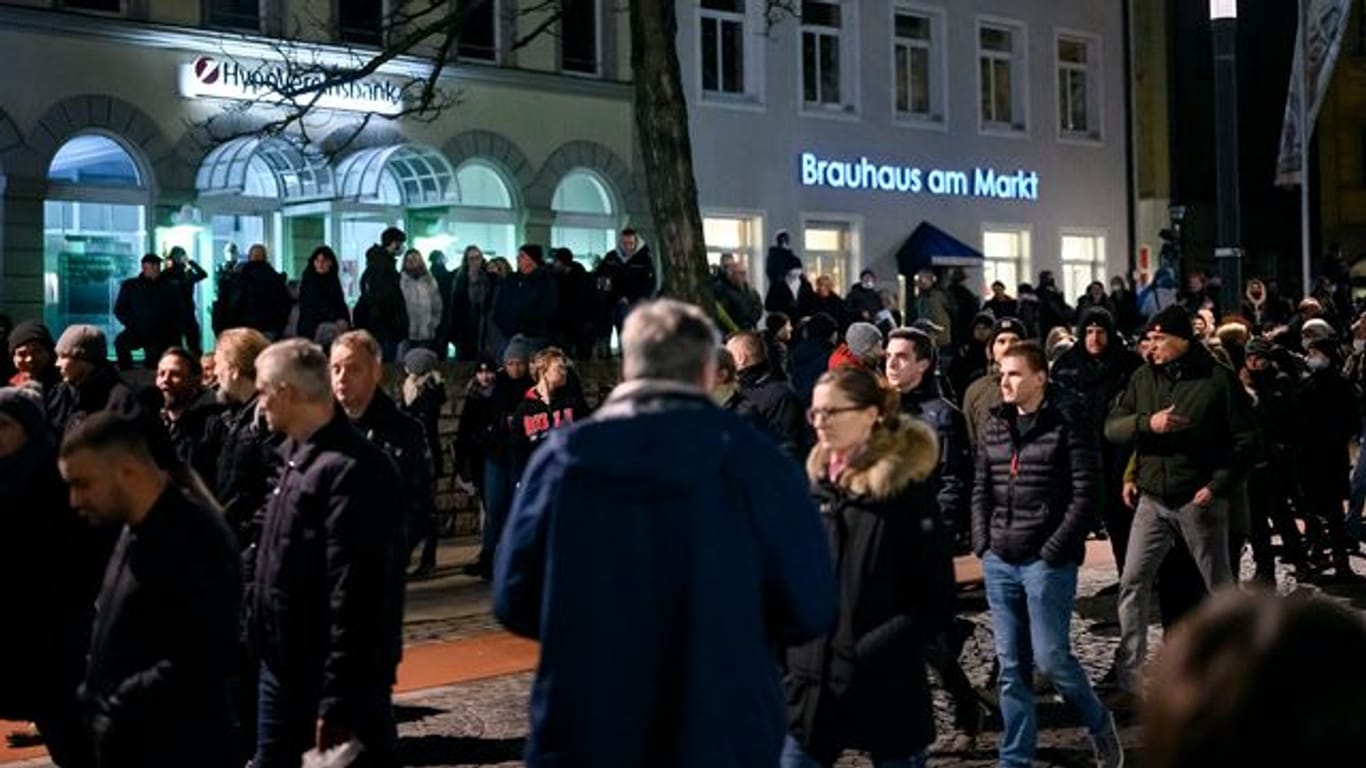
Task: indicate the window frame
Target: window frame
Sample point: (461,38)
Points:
(750,78)
(846,36)
(598,63)
(755,250)
(1094,71)
(1024,263)
(206,16)
(383,32)
(938,119)
(1019,125)
(853,225)
(1100,263)
(497,57)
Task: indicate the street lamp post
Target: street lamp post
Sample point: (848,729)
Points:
(1228,253)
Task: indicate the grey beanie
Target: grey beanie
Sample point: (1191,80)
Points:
(518,348)
(84,342)
(419,361)
(864,340)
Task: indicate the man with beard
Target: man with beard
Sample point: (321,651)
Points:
(1096,371)
(247,456)
(357,371)
(187,410)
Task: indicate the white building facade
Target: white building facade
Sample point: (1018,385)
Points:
(1000,122)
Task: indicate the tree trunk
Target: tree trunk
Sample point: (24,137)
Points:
(662,122)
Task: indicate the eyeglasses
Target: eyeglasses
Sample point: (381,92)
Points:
(814,415)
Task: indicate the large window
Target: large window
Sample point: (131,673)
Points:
(828,249)
(585,217)
(721,31)
(94,231)
(739,236)
(579,37)
(484,216)
(478,30)
(917,57)
(244,15)
(1001,76)
(1007,256)
(827,66)
(360,21)
(1083,262)
(1078,82)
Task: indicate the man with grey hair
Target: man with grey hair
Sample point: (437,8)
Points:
(328,590)
(661,650)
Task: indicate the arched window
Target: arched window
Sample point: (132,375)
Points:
(585,216)
(484,216)
(94,231)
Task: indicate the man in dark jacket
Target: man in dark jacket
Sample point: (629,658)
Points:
(1095,371)
(1032,503)
(184,274)
(1329,419)
(575,293)
(247,456)
(626,276)
(89,383)
(187,411)
(34,355)
(863,300)
(771,395)
(156,690)
(329,637)
(1272,474)
(527,300)
(737,298)
(381,309)
(510,385)
(1192,436)
(789,289)
(149,307)
(716,567)
(817,339)
(357,372)
(260,298)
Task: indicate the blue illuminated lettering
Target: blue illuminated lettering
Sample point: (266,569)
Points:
(868,175)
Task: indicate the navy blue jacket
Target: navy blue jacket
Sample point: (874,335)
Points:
(328,617)
(661,552)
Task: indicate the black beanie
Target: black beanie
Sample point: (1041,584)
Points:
(1173,321)
(1096,317)
(30,331)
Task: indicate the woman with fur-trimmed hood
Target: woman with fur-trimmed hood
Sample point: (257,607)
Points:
(863,686)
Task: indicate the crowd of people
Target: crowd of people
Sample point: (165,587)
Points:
(225,552)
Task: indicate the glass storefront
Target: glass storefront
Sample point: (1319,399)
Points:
(94,231)
(585,217)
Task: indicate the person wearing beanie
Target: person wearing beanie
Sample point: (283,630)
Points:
(1329,419)
(862,347)
(44,544)
(817,339)
(1094,371)
(89,383)
(509,387)
(423,399)
(34,355)
(971,362)
(527,300)
(984,394)
(1192,432)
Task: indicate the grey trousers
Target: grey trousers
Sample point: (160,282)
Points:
(1205,532)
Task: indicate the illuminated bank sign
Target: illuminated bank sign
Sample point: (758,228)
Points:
(224,78)
(911,180)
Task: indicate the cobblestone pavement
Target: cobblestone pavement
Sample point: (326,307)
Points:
(484,723)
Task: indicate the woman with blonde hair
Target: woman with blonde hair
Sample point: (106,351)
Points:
(862,685)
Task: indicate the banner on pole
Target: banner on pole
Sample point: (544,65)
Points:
(1320,35)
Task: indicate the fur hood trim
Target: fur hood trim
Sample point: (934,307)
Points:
(895,458)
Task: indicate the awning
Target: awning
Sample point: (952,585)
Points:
(265,167)
(404,174)
(929,247)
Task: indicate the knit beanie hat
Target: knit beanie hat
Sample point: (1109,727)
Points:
(1007,325)
(1173,321)
(517,349)
(84,342)
(420,361)
(24,406)
(864,340)
(1096,317)
(28,332)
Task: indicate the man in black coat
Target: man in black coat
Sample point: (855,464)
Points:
(327,618)
(626,276)
(526,300)
(260,298)
(770,393)
(184,274)
(357,372)
(510,386)
(89,383)
(150,308)
(736,297)
(157,691)
(187,411)
(1034,495)
(1095,371)
(575,292)
(247,454)
(381,309)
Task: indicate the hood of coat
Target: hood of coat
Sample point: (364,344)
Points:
(893,460)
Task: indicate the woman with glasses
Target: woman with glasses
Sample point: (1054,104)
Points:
(862,686)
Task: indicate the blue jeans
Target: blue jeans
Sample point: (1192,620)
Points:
(286,727)
(1031,615)
(795,757)
(499,484)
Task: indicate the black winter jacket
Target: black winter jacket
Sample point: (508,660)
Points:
(403,440)
(321,300)
(328,614)
(260,299)
(1329,420)
(953,476)
(102,390)
(468,320)
(777,405)
(474,436)
(157,689)
(863,684)
(193,439)
(381,309)
(534,419)
(630,279)
(248,460)
(526,304)
(153,310)
(1035,494)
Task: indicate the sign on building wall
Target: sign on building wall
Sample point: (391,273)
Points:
(864,174)
(221,77)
